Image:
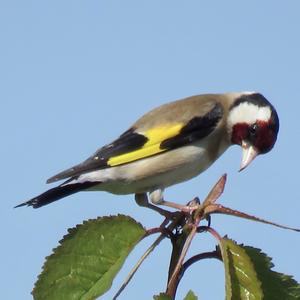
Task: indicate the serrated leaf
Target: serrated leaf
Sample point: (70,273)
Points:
(276,286)
(190,296)
(88,258)
(249,276)
(162,296)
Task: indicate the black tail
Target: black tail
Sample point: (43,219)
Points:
(57,193)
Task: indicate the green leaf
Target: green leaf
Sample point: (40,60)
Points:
(249,276)
(162,296)
(190,296)
(88,258)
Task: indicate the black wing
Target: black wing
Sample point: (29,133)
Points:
(196,129)
(128,141)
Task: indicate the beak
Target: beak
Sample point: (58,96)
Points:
(249,153)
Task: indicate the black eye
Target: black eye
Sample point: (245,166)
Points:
(253,129)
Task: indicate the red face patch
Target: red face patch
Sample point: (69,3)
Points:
(261,135)
(240,132)
(265,138)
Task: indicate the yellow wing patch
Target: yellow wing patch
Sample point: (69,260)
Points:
(155,136)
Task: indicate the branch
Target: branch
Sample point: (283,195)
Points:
(212,254)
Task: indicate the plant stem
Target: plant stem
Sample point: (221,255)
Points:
(178,254)
(135,268)
(212,254)
(179,257)
(165,232)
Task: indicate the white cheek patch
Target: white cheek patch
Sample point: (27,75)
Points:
(248,113)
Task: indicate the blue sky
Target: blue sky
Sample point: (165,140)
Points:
(75,74)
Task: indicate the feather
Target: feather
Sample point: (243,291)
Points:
(168,127)
(57,193)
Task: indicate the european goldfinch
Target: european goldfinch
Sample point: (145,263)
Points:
(171,144)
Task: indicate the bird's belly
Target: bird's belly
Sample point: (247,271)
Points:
(158,171)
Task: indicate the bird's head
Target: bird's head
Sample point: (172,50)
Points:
(253,124)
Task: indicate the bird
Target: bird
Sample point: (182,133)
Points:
(172,144)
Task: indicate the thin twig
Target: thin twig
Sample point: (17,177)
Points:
(212,254)
(198,215)
(214,234)
(216,191)
(137,265)
(220,209)
(161,229)
(173,282)
(167,230)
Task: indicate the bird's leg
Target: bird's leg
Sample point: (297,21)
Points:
(157,198)
(142,200)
